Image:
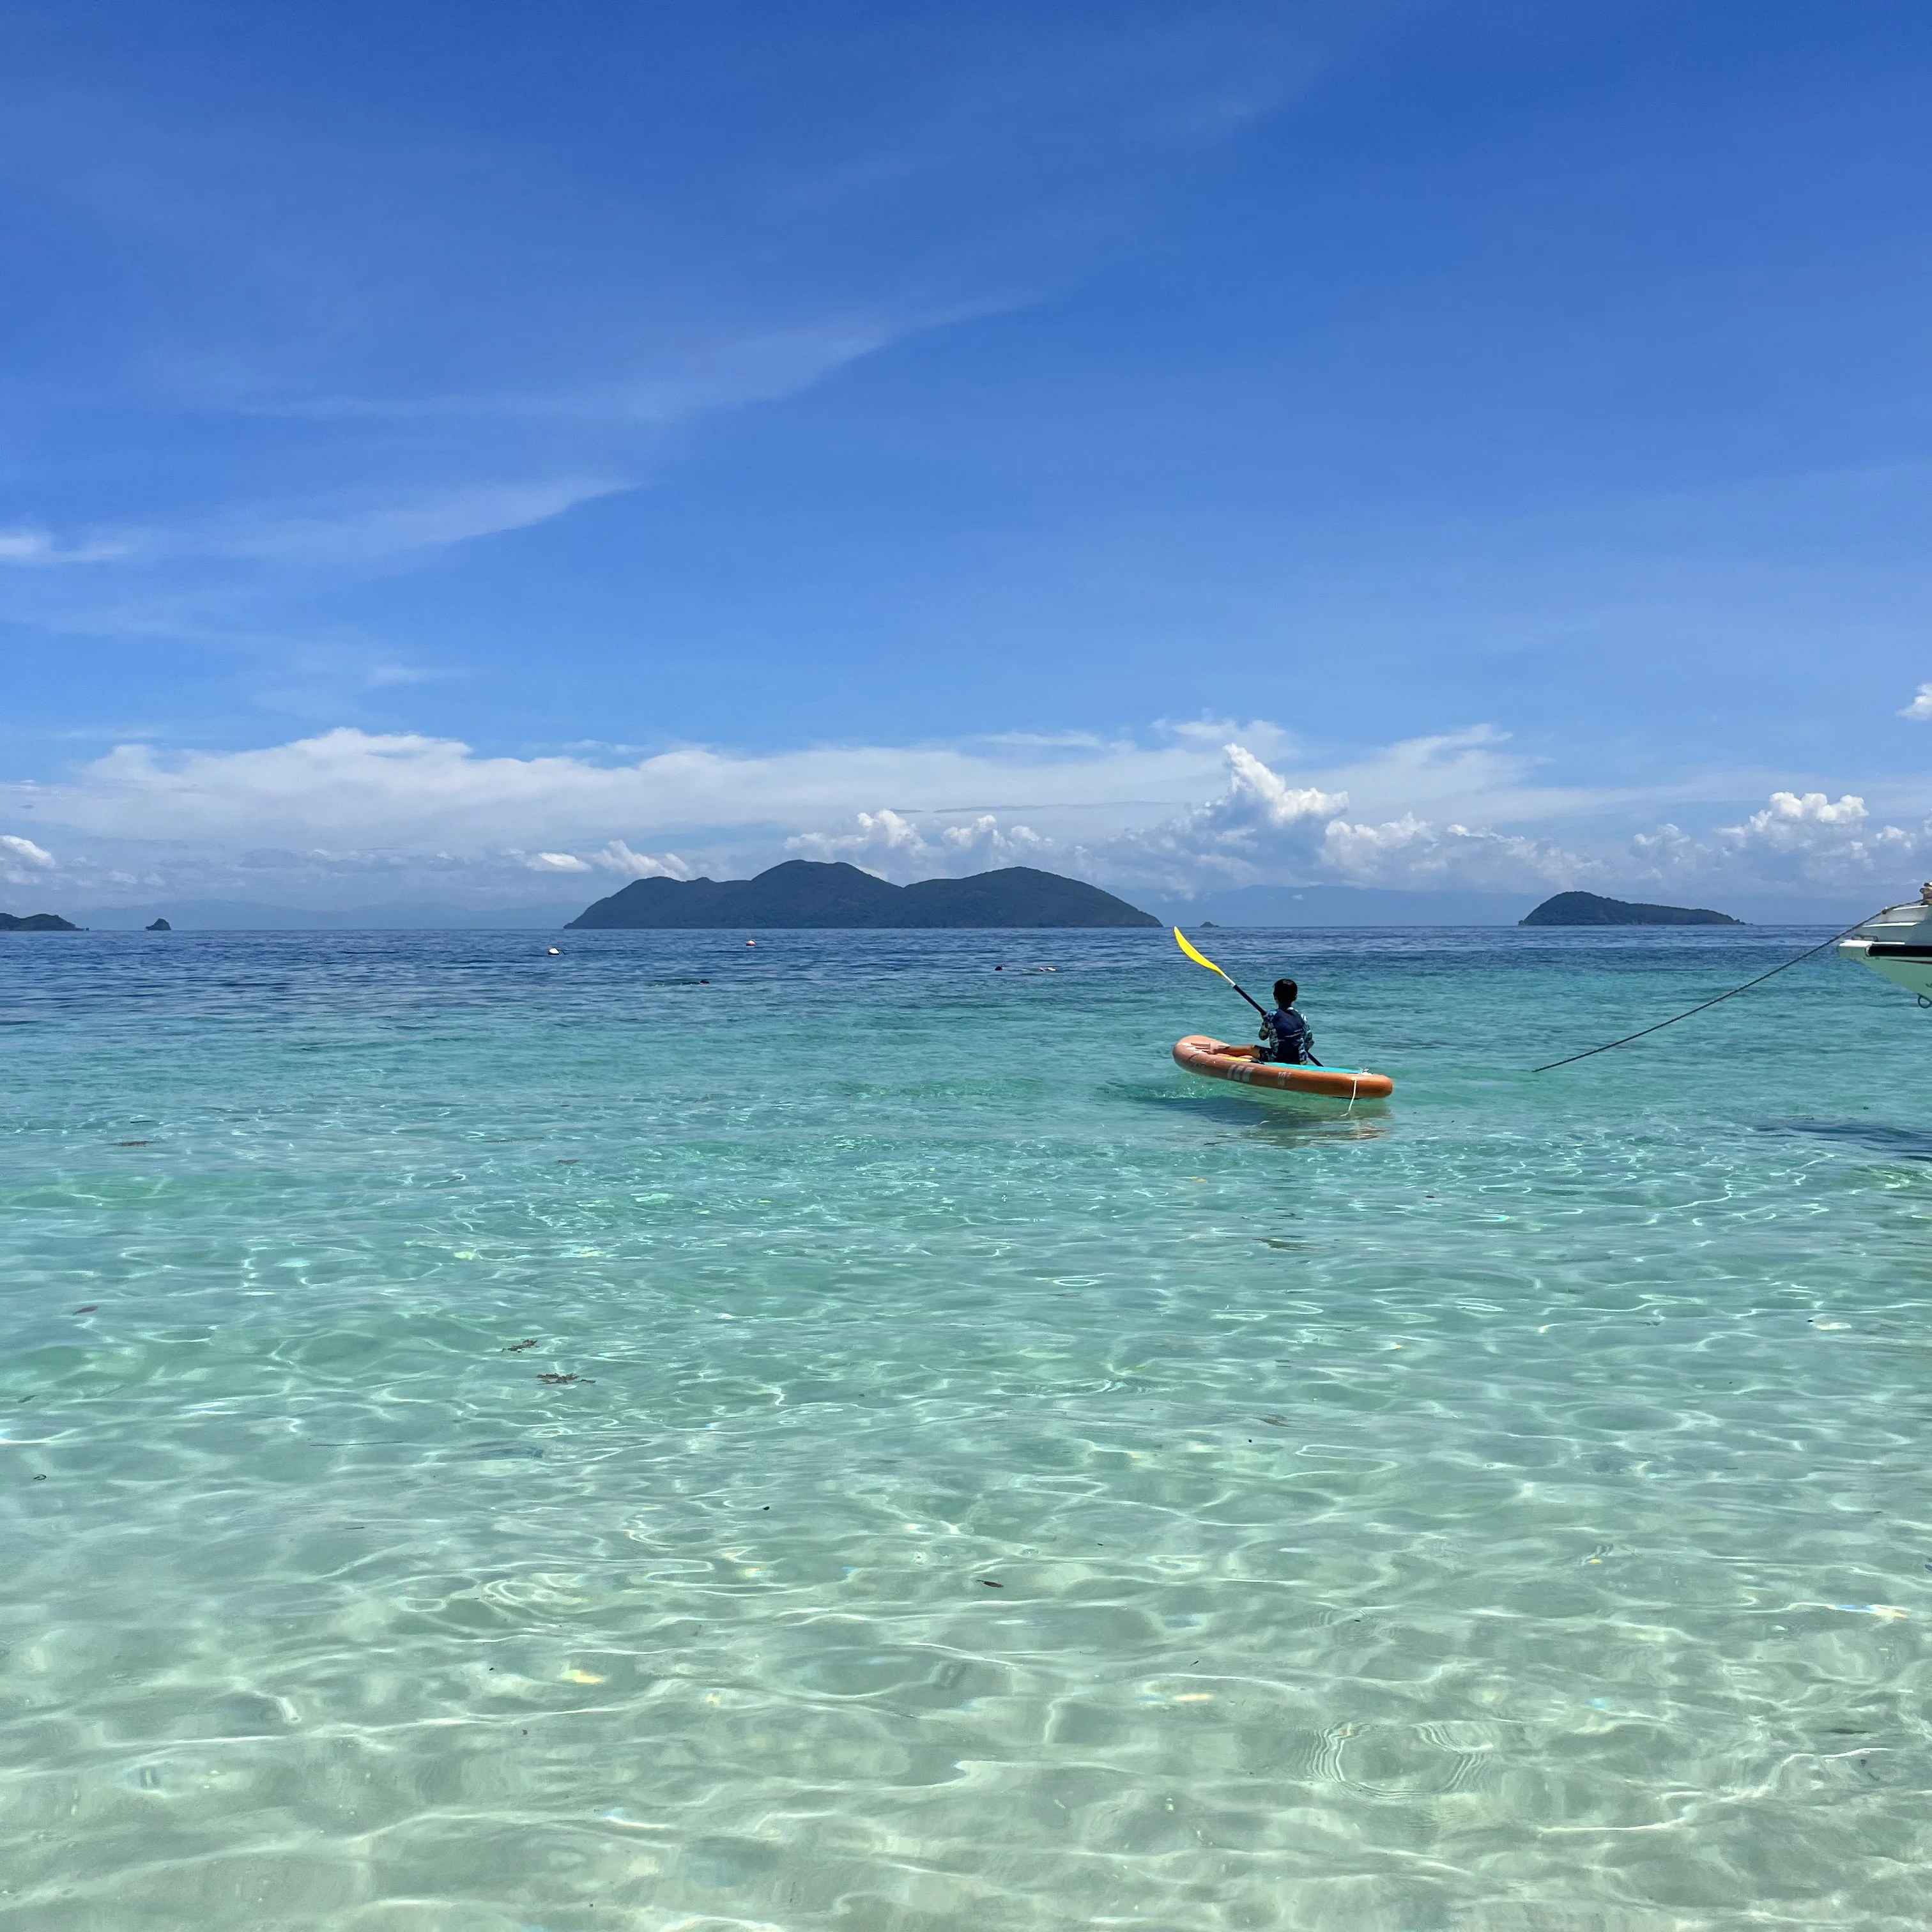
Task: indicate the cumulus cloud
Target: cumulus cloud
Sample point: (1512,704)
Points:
(1789,823)
(1920,706)
(1260,824)
(1262,828)
(1806,838)
(1812,838)
(1259,827)
(1410,852)
(1667,851)
(892,846)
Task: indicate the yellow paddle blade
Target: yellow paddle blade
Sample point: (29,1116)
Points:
(1198,959)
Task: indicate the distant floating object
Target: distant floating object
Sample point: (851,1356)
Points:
(751,942)
(556,953)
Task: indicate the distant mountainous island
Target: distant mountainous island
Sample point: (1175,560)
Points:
(1587,909)
(803,893)
(36,922)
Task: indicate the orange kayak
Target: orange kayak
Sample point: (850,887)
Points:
(1198,1053)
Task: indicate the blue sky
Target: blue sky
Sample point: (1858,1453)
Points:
(481,454)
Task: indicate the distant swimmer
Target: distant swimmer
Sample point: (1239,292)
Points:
(1285,1038)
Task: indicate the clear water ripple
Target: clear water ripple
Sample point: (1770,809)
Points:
(494,1441)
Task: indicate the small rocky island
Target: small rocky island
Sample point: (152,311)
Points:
(803,893)
(36,922)
(1587,909)
(160,925)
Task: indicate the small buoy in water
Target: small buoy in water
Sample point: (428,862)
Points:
(751,942)
(556,953)
(999,969)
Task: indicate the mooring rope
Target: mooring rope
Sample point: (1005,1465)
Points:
(1806,954)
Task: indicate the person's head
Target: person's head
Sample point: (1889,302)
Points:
(1285,992)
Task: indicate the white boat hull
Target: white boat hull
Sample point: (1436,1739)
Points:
(1897,945)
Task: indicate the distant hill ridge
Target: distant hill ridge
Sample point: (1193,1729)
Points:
(1587,909)
(804,892)
(36,922)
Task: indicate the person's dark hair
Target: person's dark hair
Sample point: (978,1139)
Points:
(1285,992)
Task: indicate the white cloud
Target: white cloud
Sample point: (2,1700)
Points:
(1259,828)
(712,373)
(1262,828)
(1260,824)
(22,861)
(893,846)
(29,543)
(1664,852)
(1199,807)
(1804,839)
(376,348)
(1812,838)
(1791,824)
(616,856)
(385,521)
(352,790)
(432,519)
(1410,852)
(1920,706)
(363,531)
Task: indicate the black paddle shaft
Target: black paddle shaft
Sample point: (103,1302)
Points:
(1249,997)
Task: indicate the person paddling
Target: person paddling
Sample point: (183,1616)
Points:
(1285,1042)
(1285,1038)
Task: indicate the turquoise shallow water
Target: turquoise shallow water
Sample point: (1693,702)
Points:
(1505,1508)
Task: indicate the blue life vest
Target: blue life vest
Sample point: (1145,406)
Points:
(1285,1038)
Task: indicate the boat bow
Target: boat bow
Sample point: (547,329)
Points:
(1896,944)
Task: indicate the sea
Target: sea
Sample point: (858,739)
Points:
(830,1435)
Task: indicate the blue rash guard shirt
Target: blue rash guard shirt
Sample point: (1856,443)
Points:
(1285,1038)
